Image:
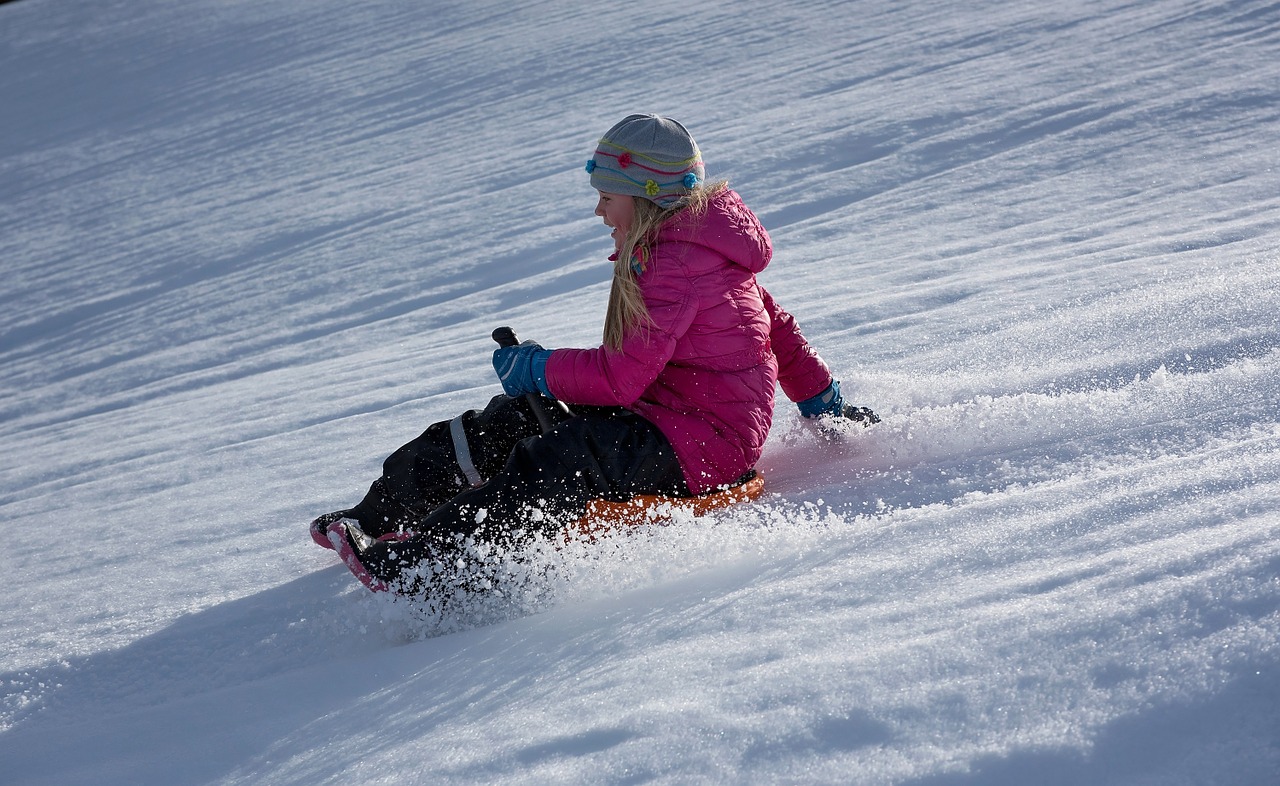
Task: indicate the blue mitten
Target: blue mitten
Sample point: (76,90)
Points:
(522,369)
(828,402)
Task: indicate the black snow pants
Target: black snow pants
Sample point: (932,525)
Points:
(491,473)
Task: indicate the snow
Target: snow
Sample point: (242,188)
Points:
(249,248)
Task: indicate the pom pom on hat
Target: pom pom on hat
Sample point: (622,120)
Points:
(647,156)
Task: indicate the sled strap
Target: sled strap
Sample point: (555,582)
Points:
(463,452)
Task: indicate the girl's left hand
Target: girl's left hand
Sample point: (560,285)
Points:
(522,369)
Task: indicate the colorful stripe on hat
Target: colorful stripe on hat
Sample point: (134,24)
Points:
(627,171)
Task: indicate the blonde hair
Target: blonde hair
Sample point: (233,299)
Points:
(626,310)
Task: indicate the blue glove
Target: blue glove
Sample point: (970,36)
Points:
(828,402)
(522,369)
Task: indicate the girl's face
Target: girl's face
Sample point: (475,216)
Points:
(617,210)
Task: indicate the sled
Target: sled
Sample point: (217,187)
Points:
(601,517)
(604,516)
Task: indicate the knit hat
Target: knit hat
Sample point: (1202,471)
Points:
(647,156)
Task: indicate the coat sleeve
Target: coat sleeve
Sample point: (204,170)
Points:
(801,372)
(607,377)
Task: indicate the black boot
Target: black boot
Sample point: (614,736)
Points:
(403,566)
(320,527)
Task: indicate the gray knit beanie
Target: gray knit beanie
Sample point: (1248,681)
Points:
(647,156)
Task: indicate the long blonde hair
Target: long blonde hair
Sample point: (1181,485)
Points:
(626,310)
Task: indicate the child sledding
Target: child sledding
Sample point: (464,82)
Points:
(676,403)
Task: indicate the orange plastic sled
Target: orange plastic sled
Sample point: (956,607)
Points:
(604,516)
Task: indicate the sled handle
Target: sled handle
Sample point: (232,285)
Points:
(506,337)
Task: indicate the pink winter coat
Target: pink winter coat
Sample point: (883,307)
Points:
(704,372)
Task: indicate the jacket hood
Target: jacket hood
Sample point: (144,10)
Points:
(728,227)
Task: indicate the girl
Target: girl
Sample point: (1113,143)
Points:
(677,401)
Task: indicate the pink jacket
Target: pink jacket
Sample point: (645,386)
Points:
(704,372)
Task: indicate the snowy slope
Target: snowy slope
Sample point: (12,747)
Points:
(249,248)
